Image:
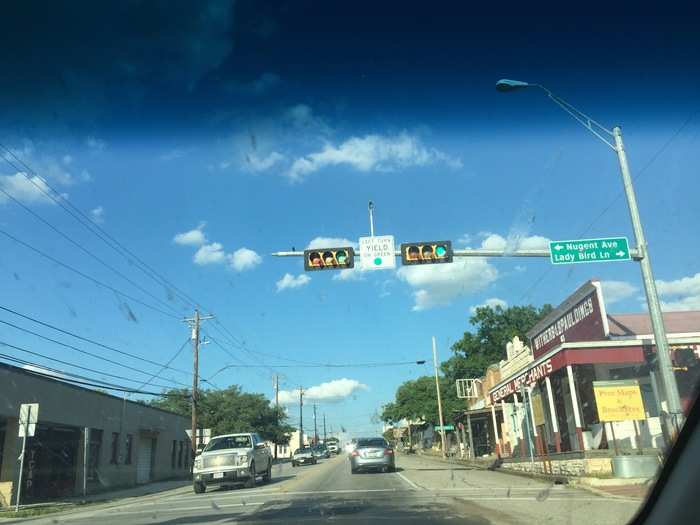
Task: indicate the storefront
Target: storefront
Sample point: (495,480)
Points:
(549,401)
(127,442)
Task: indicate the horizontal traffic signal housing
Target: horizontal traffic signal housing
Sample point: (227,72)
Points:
(329,259)
(428,252)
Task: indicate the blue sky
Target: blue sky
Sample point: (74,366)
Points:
(262,129)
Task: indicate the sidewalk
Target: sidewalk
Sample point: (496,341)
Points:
(130,492)
(624,488)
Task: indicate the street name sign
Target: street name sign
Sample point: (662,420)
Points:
(377,253)
(28,416)
(589,250)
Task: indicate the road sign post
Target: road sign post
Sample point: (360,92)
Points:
(28,415)
(589,250)
(377,253)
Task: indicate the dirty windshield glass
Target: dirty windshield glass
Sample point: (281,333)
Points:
(364,262)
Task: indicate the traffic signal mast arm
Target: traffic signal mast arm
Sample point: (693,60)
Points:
(477,252)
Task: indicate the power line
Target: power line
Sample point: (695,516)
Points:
(84,220)
(85,352)
(166,365)
(329,365)
(103,235)
(87,380)
(86,251)
(84,275)
(92,341)
(67,363)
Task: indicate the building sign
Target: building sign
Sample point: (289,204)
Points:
(579,318)
(533,375)
(618,400)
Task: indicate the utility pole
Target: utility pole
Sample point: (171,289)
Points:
(439,400)
(315,427)
(324,427)
(277,405)
(301,417)
(194,322)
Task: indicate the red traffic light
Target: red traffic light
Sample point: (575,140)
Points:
(428,252)
(329,259)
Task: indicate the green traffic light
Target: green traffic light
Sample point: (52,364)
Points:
(440,251)
(341,257)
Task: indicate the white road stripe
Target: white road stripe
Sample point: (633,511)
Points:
(186,509)
(413,485)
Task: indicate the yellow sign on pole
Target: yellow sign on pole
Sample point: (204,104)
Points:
(537,407)
(618,400)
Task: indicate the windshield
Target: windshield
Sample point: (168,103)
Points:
(291,261)
(228,442)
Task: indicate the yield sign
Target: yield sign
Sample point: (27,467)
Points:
(377,253)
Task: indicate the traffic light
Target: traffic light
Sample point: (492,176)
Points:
(428,252)
(329,259)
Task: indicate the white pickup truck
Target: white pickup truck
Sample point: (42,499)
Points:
(232,458)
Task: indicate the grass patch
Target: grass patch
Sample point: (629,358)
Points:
(33,511)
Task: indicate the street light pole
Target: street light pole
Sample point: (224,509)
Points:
(668,379)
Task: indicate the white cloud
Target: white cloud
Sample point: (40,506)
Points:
(210,254)
(257,164)
(288,281)
(98,214)
(371,153)
(301,117)
(193,237)
(29,191)
(493,241)
(244,259)
(616,291)
(439,284)
(95,144)
(332,391)
(330,242)
(493,302)
(67,159)
(680,294)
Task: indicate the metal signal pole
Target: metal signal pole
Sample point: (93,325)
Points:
(324,427)
(315,427)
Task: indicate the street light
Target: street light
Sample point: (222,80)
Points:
(668,379)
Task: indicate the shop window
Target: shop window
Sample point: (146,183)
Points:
(173,449)
(114,458)
(129,445)
(179,456)
(94,453)
(187,457)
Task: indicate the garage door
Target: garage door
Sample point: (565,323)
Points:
(143,465)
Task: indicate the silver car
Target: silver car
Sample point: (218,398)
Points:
(372,454)
(303,456)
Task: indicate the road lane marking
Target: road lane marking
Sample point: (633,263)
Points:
(407,480)
(185,510)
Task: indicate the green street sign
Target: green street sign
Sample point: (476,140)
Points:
(446,428)
(589,250)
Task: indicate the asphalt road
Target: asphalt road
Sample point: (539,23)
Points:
(421,491)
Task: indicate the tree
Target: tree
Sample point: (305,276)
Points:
(231,410)
(417,400)
(495,327)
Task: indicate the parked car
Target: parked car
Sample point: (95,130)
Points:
(303,456)
(333,448)
(321,451)
(372,454)
(232,458)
